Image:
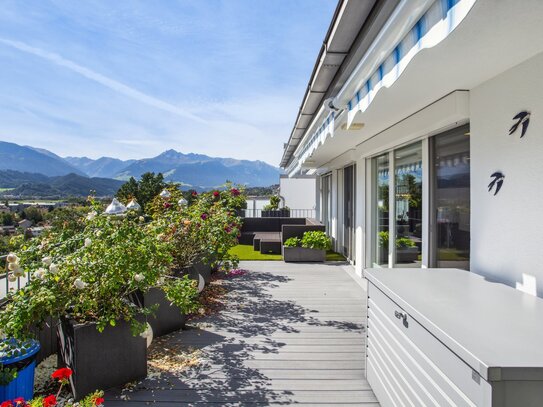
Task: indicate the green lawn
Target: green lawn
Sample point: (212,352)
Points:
(246,252)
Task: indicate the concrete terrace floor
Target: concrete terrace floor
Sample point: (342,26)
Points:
(291,334)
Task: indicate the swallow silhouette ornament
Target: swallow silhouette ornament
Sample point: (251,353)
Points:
(497,182)
(523,120)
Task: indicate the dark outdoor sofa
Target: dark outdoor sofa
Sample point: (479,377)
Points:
(267,235)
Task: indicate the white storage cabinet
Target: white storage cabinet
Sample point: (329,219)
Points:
(447,337)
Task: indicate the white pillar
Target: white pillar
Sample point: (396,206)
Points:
(360,216)
(334,208)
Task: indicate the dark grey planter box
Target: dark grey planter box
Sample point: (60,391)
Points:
(293,254)
(204,269)
(279,213)
(101,360)
(167,318)
(407,255)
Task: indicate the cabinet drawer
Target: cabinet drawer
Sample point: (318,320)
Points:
(408,366)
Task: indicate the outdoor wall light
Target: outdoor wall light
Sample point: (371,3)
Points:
(133,205)
(115,208)
(165,194)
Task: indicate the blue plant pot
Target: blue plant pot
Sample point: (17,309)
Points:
(25,363)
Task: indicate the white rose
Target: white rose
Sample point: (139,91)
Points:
(47,260)
(18,272)
(12,278)
(13,266)
(79,284)
(98,233)
(12,258)
(139,277)
(39,273)
(53,268)
(88,242)
(91,215)
(160,280)
(141,219)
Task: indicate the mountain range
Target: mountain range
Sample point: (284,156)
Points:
(191,170)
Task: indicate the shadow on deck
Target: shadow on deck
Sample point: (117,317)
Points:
(290,334)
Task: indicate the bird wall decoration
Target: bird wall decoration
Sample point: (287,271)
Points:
(497,182)
(523,120)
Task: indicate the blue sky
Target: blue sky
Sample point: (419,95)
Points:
(130,79)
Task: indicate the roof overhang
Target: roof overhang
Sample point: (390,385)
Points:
(354,26)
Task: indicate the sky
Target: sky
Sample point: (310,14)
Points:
(131,79)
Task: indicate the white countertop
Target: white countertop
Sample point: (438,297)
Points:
(494,328)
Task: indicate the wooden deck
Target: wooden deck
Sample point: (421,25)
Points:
(292,334)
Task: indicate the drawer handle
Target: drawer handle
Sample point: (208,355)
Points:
(403,317)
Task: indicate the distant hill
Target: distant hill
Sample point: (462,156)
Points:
(199,170)
(67,185)
(192,170)
(28,159)
(105,167)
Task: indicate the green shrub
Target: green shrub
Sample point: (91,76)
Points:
(316,240)
(293,242)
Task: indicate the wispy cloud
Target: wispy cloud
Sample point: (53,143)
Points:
(103,80)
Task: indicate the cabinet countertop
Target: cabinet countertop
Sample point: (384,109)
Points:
(494,328)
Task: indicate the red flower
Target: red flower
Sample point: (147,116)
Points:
(6,403)
(194,193)
(227,229)
(167,205)
(19,401)
(98,401)
(216,194)
(204,216)
(50,401)
(62,374)
(235,191)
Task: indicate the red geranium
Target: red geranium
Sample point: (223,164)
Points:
(62,374)
(19,401)
(6,403)
(50,401)
(98,401)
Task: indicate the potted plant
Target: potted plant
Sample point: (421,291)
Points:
(406,249)
(311,247)
(272,209)
(86,281)
(17,364)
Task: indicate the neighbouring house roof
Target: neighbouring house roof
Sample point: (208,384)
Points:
(354,26)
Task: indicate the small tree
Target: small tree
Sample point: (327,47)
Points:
(144,190)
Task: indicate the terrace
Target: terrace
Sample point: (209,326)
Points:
(289,334)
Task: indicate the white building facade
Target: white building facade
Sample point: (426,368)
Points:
(410,124)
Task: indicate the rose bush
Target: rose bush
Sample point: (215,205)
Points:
(90,276)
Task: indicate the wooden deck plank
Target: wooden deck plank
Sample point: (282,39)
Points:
(291,334)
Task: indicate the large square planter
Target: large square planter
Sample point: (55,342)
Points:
(101,360)
(276,213)
(204,269)
(303,254)
(167,317)
(407,254)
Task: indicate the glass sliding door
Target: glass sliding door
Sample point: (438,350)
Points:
(451,180)
(348,212)
(408,206)
(380,210)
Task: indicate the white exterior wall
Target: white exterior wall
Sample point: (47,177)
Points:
(507,229)
(299,192)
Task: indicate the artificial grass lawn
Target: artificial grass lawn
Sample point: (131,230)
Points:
(246,252)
